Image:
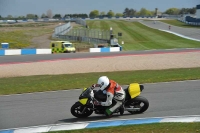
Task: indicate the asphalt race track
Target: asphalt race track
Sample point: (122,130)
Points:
(65,56)
(166,99)
(189,32)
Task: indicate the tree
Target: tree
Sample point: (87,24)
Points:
(102,14)
(192,10)
(57,16)
(94,14)
(49,14)
(31,16)
(44,16)
(0,16)
(172,11)
(111,13)
(187,10)
(119,15)
(9,17)
(36,16)
(126,12)
(144,12)
(184,11)
(129,12)
(132,12)
(21,17)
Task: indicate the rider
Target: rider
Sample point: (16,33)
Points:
(114,92)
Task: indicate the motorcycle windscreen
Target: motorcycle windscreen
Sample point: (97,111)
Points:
(134,90)
(86,93)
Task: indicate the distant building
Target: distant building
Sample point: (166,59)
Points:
(195,18)
(198,11)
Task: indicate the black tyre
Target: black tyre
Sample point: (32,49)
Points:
(138,102)
(77,108)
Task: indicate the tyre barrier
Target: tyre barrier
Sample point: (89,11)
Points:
(4,52)
(106,49)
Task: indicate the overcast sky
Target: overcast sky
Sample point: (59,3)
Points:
(23,7)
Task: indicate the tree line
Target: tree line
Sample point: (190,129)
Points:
(44,16)
(142,12)
(128,12)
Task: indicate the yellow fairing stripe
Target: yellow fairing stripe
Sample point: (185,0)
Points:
(134,90)
(83,101)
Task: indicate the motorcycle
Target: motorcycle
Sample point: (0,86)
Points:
(133,103)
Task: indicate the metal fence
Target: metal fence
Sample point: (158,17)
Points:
(62,29)
(92,33)
(190,23)
(80,21)
(94,36)
(91,36)
(83,39)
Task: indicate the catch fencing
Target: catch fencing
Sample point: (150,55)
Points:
(82,39)
(83,34)
(190,23)
(91,36)
(80,21)
(62,29)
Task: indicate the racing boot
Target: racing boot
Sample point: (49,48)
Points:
(121,110)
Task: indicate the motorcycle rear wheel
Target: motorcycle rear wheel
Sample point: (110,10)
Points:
(138,102)
(77,108)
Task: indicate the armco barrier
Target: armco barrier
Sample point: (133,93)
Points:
(4,52)
(110,49)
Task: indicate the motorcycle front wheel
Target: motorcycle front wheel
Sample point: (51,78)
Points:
(139,103)
(77,110)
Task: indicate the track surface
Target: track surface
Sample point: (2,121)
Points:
(189,32)
(36,58)
(166,99)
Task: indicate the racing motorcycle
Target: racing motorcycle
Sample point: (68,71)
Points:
(133,103)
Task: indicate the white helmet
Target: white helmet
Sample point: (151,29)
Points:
(103,82)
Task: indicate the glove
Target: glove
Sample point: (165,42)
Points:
(93,86)
(96,103)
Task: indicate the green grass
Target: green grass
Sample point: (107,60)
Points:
(17,85)
(139,37)
(180,24)
(24,25)
(20,35)
(21,38)
(145,128)
(135,35)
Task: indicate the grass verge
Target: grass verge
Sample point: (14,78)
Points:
(17,85)
(137,36)
(145,128)
(21,35)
